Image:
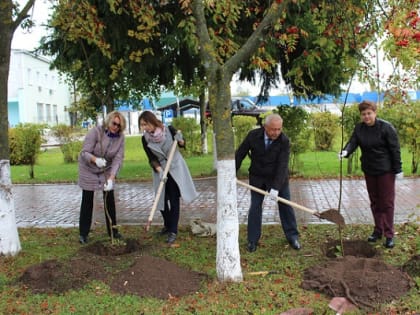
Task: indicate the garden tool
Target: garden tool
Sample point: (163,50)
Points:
(161,184)
(331,215)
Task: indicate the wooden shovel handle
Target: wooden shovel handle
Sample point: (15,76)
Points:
(282,200)
(162,183)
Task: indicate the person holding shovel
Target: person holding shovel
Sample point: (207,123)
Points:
(381,164)
(157,141)
(99,162)
(269,150)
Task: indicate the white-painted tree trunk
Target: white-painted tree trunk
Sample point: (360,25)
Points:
(9,237)
(228,258)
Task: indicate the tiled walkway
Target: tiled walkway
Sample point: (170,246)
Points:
(58,205)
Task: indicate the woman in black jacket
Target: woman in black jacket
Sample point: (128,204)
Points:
(381,164)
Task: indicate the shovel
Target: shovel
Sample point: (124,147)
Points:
(331,215)
(161,184)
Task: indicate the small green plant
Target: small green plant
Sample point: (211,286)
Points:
(25,143)
(325,126)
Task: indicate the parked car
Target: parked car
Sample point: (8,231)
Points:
(242,106)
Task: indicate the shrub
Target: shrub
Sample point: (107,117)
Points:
(67,137)
(325,127)
(295,126)
(242,125)
(191,131)
(25,144)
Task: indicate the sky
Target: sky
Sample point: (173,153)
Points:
(40,13)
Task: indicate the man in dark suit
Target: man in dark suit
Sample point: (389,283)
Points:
(269,151)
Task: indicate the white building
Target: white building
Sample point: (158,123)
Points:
(36,94)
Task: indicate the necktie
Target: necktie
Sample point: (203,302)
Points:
(267,143)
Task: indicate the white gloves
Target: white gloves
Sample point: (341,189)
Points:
(273,194)
(178,136)
(399,175)
(100,162)
(160,175)
(342,154)
(109,185)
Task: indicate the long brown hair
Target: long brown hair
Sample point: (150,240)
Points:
(150,118)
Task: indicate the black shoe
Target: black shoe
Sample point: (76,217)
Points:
(374,237)
(164,231)
(117,235)
(171,238)
(389,242)
(295,244)
(83,239)
(251,247)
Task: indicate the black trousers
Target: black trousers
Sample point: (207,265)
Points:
(170,213)
(86,208)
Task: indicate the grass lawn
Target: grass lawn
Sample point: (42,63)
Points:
(50,167)
(270,294)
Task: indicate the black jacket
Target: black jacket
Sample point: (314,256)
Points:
(269,168)
(379,145)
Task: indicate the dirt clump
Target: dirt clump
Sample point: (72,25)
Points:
(52,276)
(365,282)
(357,248)
(122,266)
(155,277)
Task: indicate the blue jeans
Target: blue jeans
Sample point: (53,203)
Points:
(286,213)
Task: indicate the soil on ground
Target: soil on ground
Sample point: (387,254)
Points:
(360,276)
(133,272)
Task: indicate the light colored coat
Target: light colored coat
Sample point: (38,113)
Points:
(98,143)
(178,170)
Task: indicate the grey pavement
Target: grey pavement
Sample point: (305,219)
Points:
(58,204)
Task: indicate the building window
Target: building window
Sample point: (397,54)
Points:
(40,112)
(55,114)
(29,76)
(48,112)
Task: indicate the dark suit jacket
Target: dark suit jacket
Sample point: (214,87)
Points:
(269,168)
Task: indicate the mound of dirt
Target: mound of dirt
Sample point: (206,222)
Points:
(365,282)
(52,276)
(108,249)
(357,248)
(412,266)
(144,276)
(154,277)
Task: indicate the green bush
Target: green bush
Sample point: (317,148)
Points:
(295,126)
(351,117)
(325,127)
(405,117)
(25,144)
(191,131)
(242,125)
(67,137)
(71,151)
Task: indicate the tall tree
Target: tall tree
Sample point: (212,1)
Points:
(10,19)
(315,48)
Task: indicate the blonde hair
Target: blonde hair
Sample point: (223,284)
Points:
(110,117)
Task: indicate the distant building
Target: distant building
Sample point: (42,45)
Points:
(36,94)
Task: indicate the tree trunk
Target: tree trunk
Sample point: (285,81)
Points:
(228,260)
(203,124)
(9,237)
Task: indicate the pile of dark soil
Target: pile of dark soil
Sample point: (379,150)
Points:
(144,276)
(365,282)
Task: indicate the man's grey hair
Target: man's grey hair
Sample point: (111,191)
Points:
(272,117)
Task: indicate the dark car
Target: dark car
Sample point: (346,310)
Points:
(242,106)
